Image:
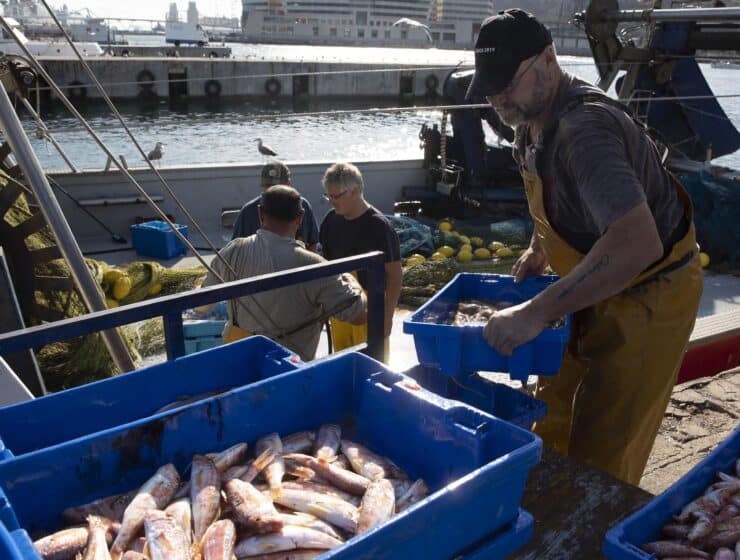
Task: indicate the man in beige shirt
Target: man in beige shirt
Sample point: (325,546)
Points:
(289,315)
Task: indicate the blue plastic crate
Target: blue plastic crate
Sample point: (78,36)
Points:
(202,334)
(193,345)
(202,328)
(156,239)
(56,418)
(504,543)
(462,349)
(496,399)
(15,544)
(476,465)
(624,540)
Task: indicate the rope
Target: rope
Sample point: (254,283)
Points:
(282,75)
(103,146)
(241,119)
(146,196)
(462,65)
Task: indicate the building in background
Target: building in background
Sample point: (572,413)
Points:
(172,14)
(449,23)
(20,9)
(192,13)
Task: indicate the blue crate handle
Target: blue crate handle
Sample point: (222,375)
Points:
(7,515)
(5,453)
(467,419)
(275,361)
(16,544)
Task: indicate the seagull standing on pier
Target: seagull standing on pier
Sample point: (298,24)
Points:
(157,152)
(264,150)
(413,23)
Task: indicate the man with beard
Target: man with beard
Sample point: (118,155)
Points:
(616,226)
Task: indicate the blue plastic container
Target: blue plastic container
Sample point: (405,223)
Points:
(476,465)
(203,328)
(504,543)
(202,334)
(457,350)
(496,399)
(156,239)
(193,345)
(15,545)
(56,418)
(624,540)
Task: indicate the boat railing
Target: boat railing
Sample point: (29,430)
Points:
(170,307)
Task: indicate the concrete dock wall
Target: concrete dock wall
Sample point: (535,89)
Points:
(141,77)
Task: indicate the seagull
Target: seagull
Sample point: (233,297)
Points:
(413,23)
(157,152)
(264,150)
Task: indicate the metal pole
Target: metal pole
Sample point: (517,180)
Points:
(674,14)
(376,309)
(52,212)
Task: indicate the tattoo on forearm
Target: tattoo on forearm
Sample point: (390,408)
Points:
(602,263)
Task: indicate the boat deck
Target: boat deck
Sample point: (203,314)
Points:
(719,310)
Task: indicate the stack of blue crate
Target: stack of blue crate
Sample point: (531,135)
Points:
(475,464)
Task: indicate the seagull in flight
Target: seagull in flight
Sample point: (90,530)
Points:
(157,152)
(264,150)
(413,23)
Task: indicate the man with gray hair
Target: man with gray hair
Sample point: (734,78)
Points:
(354,227)
(292,316)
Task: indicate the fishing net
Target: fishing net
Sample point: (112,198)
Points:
(82,360)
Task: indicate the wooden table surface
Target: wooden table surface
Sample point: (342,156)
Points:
(574,505)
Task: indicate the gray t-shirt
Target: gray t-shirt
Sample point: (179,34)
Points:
(277,311)
(598,166)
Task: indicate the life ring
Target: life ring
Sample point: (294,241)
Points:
(273,87)
(145,79)
(212,88)
(77,91)
(431,82)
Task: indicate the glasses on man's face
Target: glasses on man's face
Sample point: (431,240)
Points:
(332,197)
(516,80)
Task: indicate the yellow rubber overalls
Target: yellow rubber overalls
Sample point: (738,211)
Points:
(233,333)
(344,335)
(608,400)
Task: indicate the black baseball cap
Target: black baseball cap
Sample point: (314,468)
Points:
(275,173)
(504,41)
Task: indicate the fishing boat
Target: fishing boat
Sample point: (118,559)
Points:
(9,44)
(78,456)
(459,176)
(726,64)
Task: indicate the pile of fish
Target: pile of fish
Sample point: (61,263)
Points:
(479,311)
(475,311)
(708,527)
(298,497)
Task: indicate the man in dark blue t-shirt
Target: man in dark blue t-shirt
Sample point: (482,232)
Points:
(248,222)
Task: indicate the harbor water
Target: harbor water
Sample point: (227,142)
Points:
(227,133)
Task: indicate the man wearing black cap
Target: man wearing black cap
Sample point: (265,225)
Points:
(247,222)
(616,226)
(293,315)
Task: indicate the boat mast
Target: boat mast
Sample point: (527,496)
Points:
(52,212)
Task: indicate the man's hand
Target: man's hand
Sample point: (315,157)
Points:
(532,263)
(511,327)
